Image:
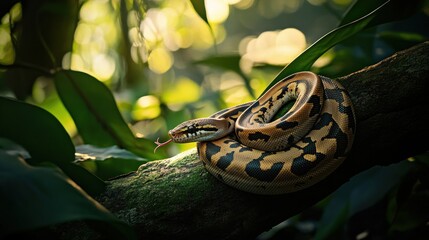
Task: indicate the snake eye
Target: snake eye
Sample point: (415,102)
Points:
(192,129)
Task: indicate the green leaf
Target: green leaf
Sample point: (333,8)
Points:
(359,9)
(97,118)
(200,8)
(45,139)
(413,213)
(362,191)
(395,10)
(362,15)
(306,59)
(230,63)
(92,184)
(108,162)
(36,197)
(34,128)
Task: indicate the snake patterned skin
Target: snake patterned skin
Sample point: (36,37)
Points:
(246,148)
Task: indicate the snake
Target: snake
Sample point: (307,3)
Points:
(250,148)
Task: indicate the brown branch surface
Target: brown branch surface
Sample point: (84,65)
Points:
(177,199)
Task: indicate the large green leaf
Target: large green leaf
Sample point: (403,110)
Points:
(92,184)
(306,59)
(93,108)
(107,162)
(393,11)
(36,197)
(362,191)
(362,15)
(45,139)
(413,211)
(359,9)
(40,133)
(200,8)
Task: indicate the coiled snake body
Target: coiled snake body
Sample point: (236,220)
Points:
(245,148)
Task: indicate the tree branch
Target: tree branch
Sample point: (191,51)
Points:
(177,198)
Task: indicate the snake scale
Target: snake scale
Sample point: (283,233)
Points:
(246,148)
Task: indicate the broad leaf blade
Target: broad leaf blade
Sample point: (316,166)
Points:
(35,197)
(34,128)
(362,15)
(93,108)
(305,60)
(359,9)
(362,191)
(45,139)
(200,8)
(395,10)
(92,184)
(108,162)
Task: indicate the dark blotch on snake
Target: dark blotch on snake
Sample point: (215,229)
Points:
(258,136)
(253,169)
(300,165)
(315,100)
(285,125)
(211,150)
(225,160)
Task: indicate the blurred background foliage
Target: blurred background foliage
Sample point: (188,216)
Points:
(166,62)
(164,66)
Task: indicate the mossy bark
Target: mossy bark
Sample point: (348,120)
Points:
(176,198)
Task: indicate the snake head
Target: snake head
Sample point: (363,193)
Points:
(200,130)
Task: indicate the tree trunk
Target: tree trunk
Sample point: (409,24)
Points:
(177,198)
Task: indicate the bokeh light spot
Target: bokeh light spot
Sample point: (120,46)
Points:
(146,107)
(274,47)
(160,60)
(104,66)
(183,91)
(217,10)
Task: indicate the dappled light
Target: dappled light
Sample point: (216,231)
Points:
(275,47)
(7,53)
(165,39)
(181,92)
(160,60)
(146,107)
(233,90)
(95,36)
(217,10)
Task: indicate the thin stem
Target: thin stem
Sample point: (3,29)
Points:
(43,41)
(28,66)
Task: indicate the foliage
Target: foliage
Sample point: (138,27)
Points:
(35,197)
(39,147)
